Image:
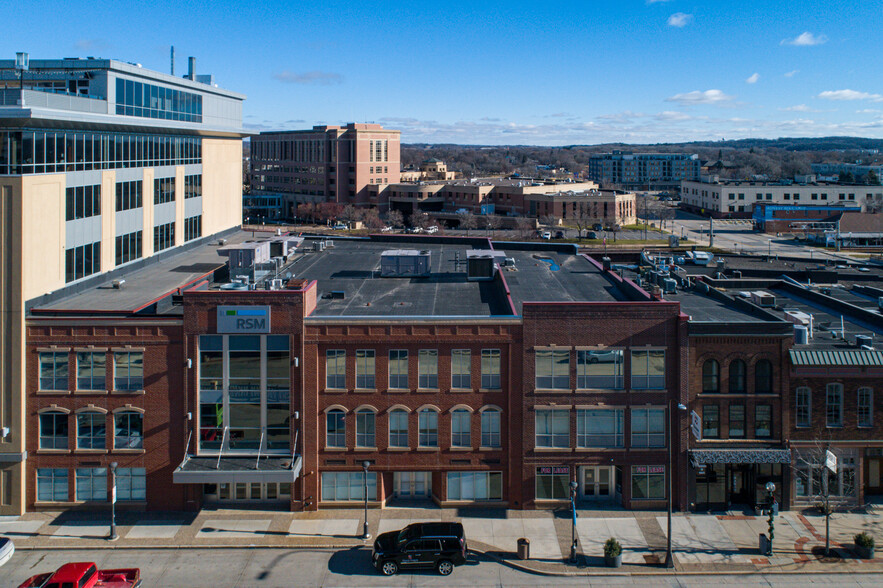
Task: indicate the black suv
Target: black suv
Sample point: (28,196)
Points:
(421,545)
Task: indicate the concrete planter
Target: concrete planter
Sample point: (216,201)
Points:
(864,552)
(613,562)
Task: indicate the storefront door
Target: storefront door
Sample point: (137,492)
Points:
(411,484)
(741,484)
(246,492)
(597,483)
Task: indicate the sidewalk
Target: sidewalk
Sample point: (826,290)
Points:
(702,543)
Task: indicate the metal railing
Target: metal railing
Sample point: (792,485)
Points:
(221,449)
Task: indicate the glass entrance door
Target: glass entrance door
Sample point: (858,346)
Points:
(411,484)
(597,483)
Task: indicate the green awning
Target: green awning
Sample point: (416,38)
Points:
(856,357)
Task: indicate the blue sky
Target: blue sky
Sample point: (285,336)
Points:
(541,73)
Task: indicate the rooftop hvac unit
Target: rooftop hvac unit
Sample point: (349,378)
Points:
(798,317)
(669,286)
(404,263)
(481,264)
(801,335)
(864,341)
(764,299)
(605,263)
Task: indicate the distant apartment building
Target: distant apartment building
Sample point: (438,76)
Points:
(735,199)
(105,167)
(643,171)
(858,171)
(325,164)
(430,170)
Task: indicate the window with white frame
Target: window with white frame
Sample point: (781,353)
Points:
(398,428)
(335,368)
(461,369)
(128,430)
(552,428)
(91,484)
(648,427)
(490,428)
(599,369)
(600,427)
(345,486)
(128,370)
(475,486)
(398,368)
(461,428)
(834,405)
(490,369)
(648,369)
(365,428)
(52,485)
(427,368)
(553,369)
(53,430)
(865,407)
(131,484)
(91,430)
(335,428)
(364,369)
(53,370)
(803,410)
(91,370)
(427,428)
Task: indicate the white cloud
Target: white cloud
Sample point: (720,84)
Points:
(698,97)
(679,20)
(850,95)
(322,78)
(792,73)
(868,111)
(672,115)
(798,108)
(805,39)
(752,79)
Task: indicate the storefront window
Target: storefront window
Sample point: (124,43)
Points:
(648,482)
(553,483)
(711,488)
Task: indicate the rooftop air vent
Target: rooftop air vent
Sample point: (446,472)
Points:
(118,284)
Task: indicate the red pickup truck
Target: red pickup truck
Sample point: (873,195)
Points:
(85,575)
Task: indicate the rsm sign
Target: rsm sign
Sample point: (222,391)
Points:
(243,319)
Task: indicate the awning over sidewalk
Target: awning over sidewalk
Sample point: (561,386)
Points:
(701,456)
(211,470)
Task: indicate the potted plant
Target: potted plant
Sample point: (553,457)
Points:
(612,553)
(864,545)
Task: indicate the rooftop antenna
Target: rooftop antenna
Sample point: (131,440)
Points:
(172,60)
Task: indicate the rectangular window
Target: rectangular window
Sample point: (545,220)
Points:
(599,369)
(52,485)
(553,428)
(91,370)
(648,427)
(53,370)
(128,430)
(490,369)
(398,369)
(711,421)
(53,430)
(335,369)
(80,201)
(648,482)
(365,369)
(763,421)
(553,483)
(737,421)
(163,237)
(600,427)
(128,195)
(82,261)
(128,370)
(193,228)
(128,247)
(365,429)
(475,486)
(398,428)
(192,186)
(345,486)
(834,402)
(91,430)
(427,366)
(553,369)
(461,428)
(648,369)
(461,369)
(490,428)
(131,484)
(865,407)
(803,415)
(427,428)
(91,484)
(335,429)
(163,190)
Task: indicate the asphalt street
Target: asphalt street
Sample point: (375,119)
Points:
(240,568)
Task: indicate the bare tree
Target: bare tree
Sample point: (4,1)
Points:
(549,220)
(350,213)
(494,222)
(467,221)
(395,218)
(371,218)
(818,481)
(525,226)
(582,218)
(420,219)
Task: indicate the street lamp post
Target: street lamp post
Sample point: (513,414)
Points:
(113,502)
(770,488)
(573,487)
(669,560)
(365,533)
(769,251)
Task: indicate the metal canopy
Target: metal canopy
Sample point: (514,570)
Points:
(836,357)
(701,456)
(211,470)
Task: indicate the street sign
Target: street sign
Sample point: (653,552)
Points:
(831,461)
(696,425)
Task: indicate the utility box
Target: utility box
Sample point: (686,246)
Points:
(764,545)
(404,263)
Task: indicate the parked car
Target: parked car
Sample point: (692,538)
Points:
(6,549)
(85,575)
(546,235)
(414,230)
(340,227)
(420,545)
(591,235)
(559,234)
(597,227)
(386,230)
(432,230)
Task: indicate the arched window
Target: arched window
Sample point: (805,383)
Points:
(427,428)
(128,430)
(711,380)
(365,428)
(763,377)
(737,377)
(91,430)
(461,428)
(335,429)
(398,428)
(53,430)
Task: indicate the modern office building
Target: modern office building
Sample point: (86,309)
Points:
(643,171)
(859,172)
(105,167)
(325,163)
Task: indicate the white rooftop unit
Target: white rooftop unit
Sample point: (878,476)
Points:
(405,263)
(797,317)
(481,264)
(761,298)
(246,255)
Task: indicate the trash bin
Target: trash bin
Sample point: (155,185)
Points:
(523,548)
(764,545)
